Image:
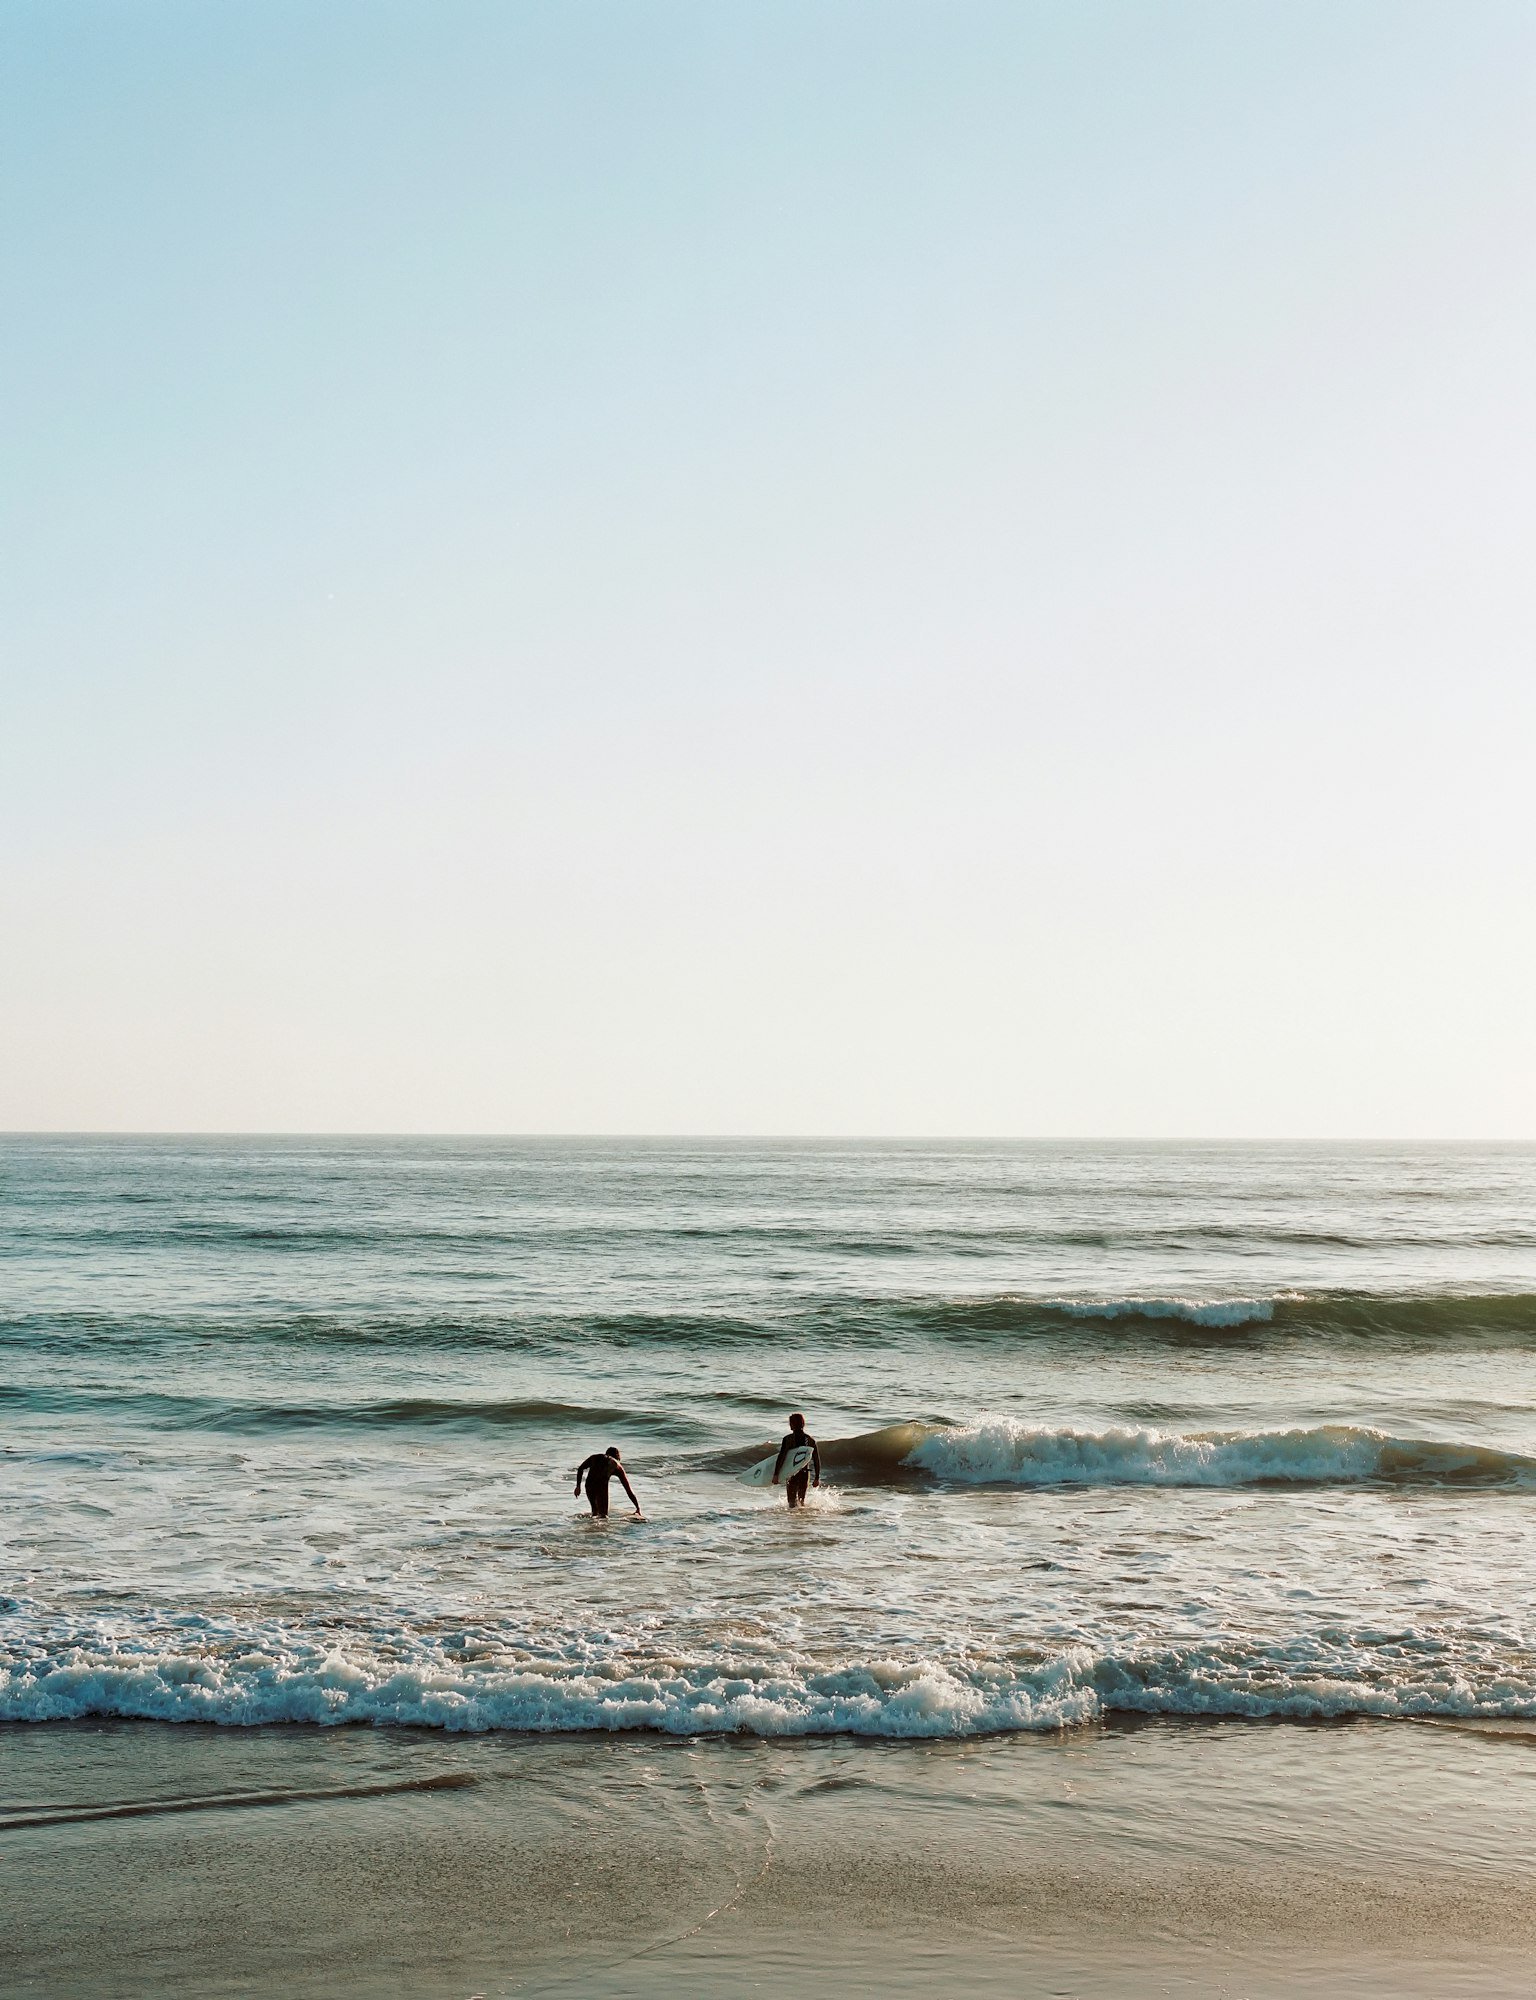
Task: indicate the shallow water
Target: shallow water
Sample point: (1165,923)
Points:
(1228,1431)
(1367,1860)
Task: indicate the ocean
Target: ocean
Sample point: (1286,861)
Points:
(1109,1430)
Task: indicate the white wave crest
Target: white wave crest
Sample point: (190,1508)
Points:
(883,1698)
(1006,1453)
(1198,1312)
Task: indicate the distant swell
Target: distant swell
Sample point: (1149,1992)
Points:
(1448,1319)
(1377,1320)
(535,1234)
(229,1414)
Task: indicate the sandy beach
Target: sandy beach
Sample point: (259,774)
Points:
(1187,1859)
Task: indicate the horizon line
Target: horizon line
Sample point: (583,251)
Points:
(764,1138)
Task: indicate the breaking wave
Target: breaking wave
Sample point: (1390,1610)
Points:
(1005,1453)
(274,1679)
(1002,1451)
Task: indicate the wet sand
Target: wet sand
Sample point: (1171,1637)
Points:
(1222,1859)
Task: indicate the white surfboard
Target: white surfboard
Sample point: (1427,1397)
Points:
(761,1474)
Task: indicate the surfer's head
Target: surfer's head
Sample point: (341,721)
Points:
(612,1451)
(797,1422)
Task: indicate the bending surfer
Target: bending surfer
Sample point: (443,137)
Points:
(798,1439)
(598,1471)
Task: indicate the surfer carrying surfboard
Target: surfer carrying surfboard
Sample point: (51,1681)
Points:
(598,1472)
(799,1441)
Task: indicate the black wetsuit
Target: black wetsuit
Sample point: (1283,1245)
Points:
(795,1487)
(599,1469)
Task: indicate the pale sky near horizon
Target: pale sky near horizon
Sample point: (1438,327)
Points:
(870,568)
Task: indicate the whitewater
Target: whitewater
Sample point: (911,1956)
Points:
(289,1429)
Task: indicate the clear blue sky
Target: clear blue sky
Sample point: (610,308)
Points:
(736,567)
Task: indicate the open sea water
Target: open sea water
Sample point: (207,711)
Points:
(288,1430)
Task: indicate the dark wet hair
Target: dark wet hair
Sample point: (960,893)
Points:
(797,1422)
(611,1452)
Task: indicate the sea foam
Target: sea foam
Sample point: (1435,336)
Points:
(1312,1675)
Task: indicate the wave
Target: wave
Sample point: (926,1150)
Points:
(226,1414)
(838,1235)
(1441,1318)
(276,1680)
(1005,1453)
(1383,1321)
(872,1458)
(434,1331)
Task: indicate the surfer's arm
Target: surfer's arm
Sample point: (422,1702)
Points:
(778,1462)
(815,1463)
(624,1482)
(579,1471)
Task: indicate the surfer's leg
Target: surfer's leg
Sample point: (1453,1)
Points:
(599,1504)
(795,1489)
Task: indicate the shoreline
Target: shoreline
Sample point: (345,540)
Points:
(1200,1857)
